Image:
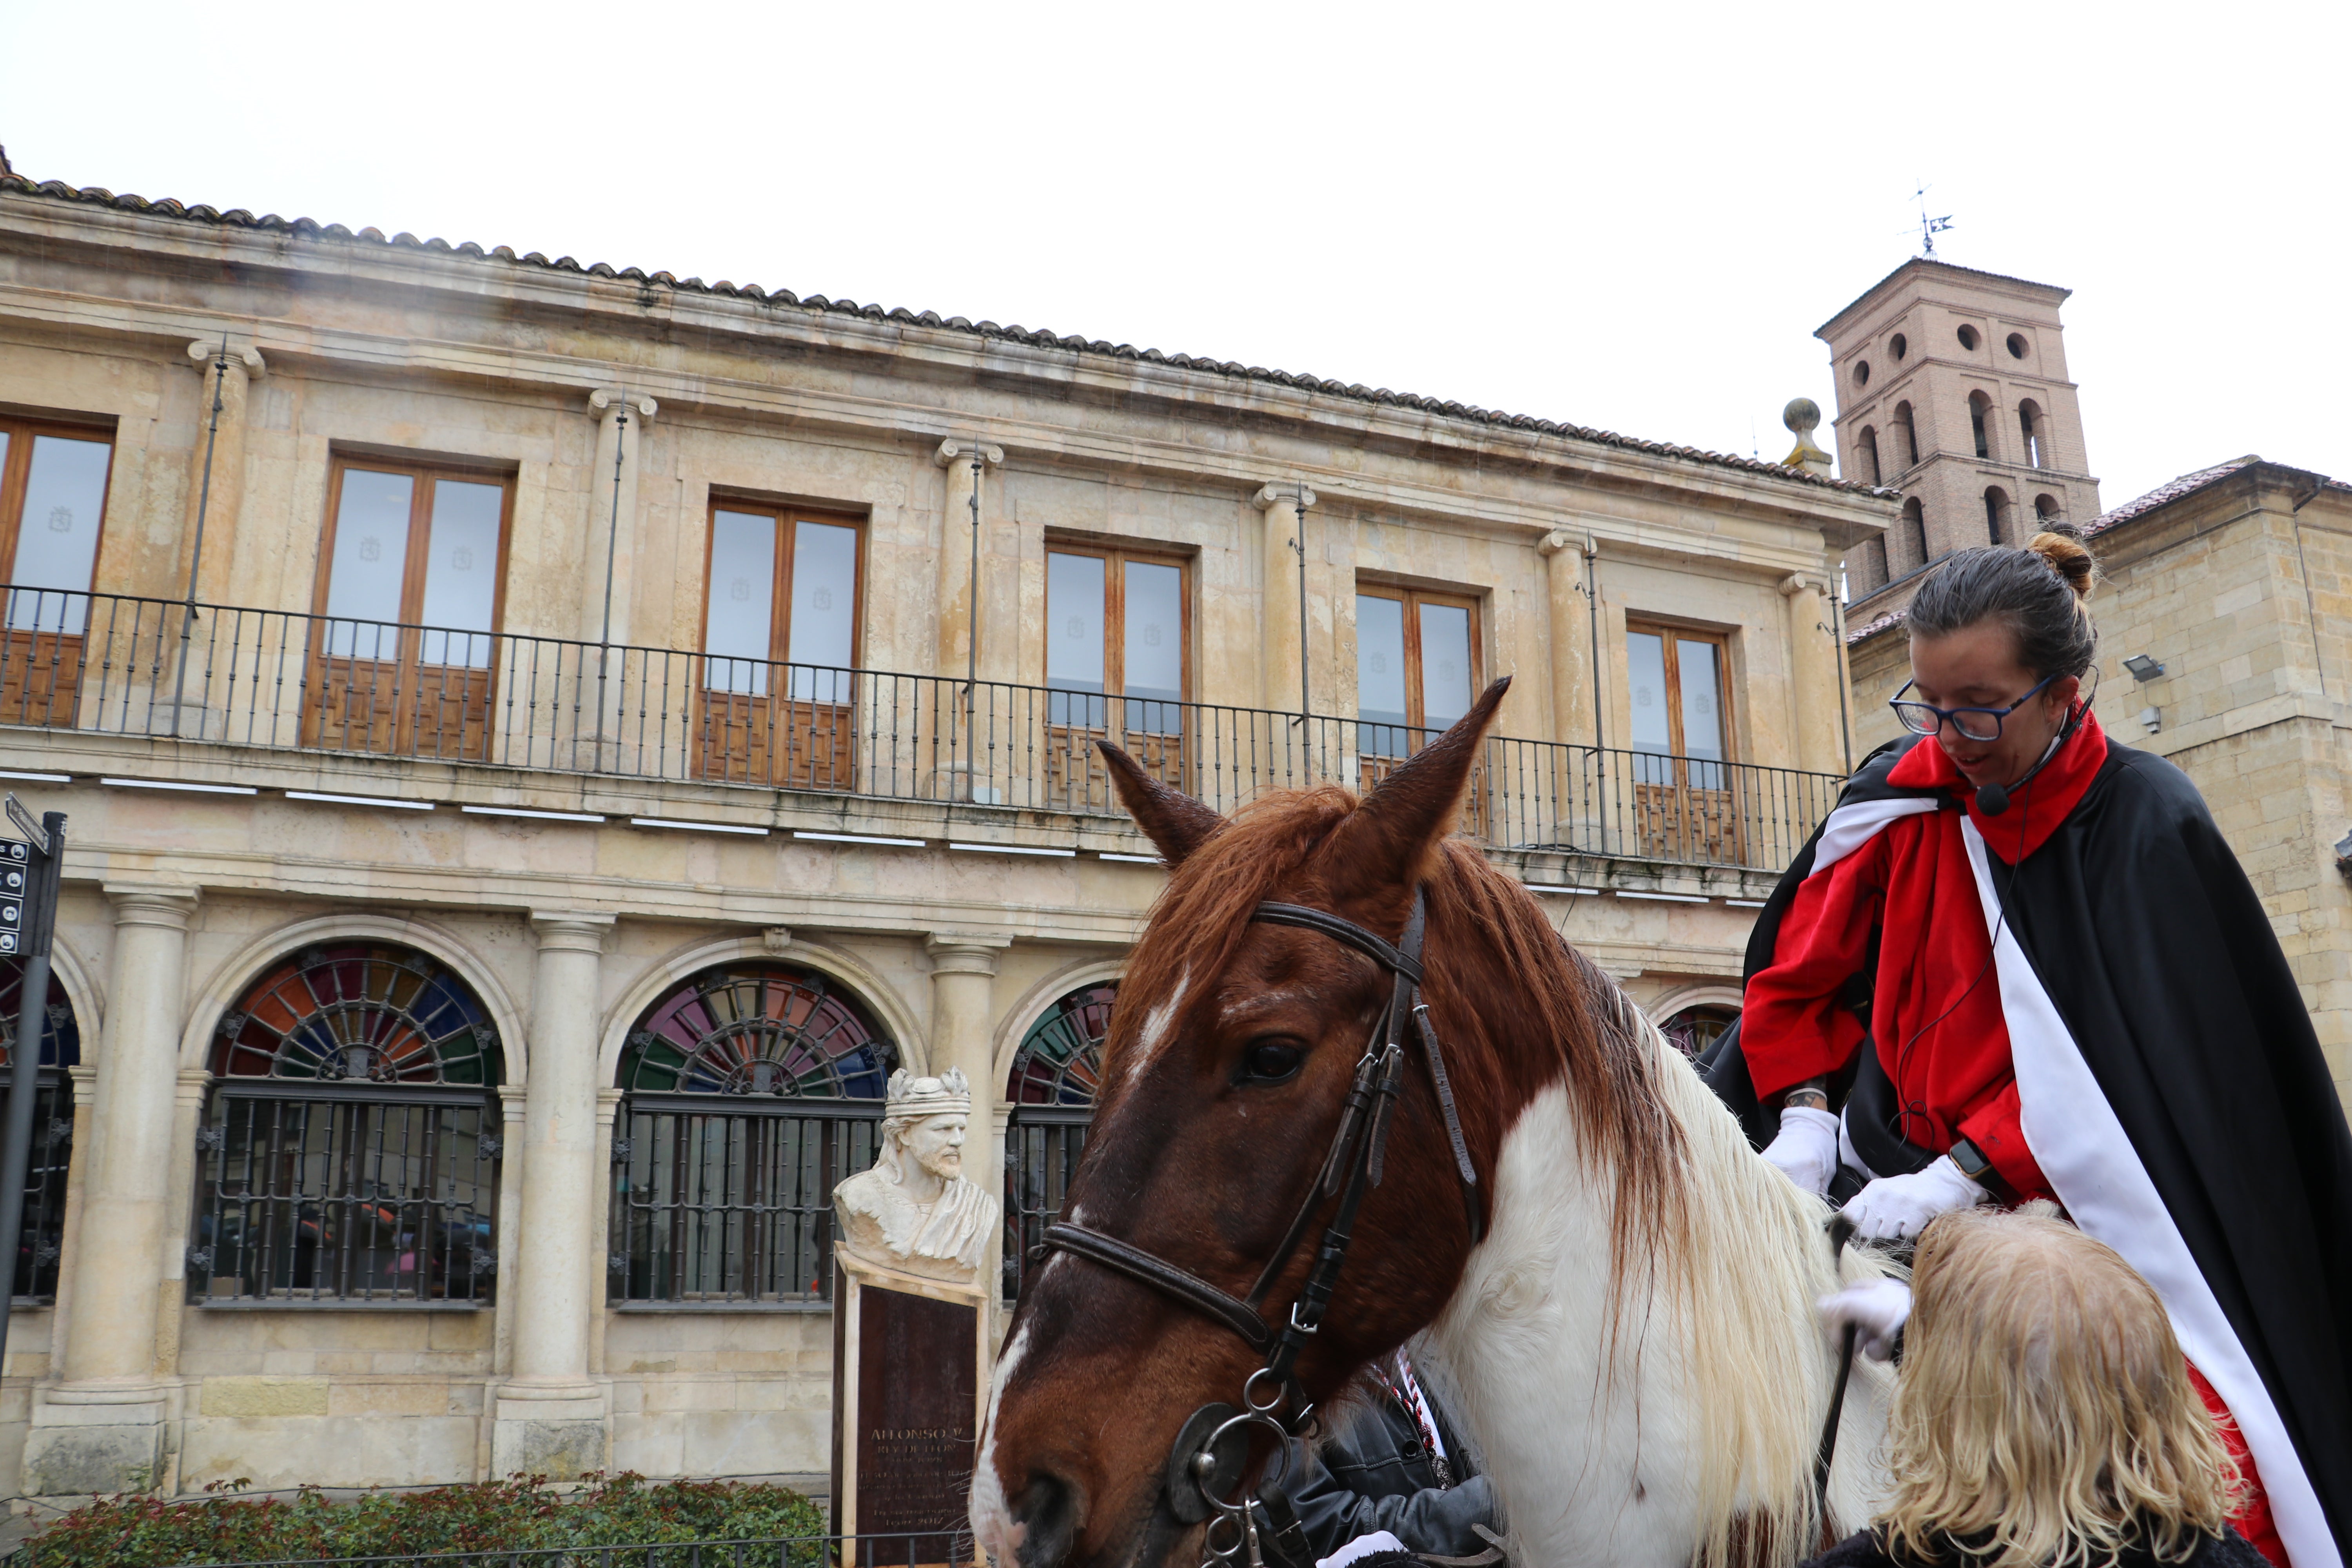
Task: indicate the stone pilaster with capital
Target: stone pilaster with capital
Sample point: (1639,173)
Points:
(1285,503)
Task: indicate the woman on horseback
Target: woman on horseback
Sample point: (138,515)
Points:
(2019,961)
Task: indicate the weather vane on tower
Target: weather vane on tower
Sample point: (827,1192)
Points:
(1929,227)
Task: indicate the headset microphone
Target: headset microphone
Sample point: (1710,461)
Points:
(1993,799)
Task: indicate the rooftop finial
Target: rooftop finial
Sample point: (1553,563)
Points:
(1803,416)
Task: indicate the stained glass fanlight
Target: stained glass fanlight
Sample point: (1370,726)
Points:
(358,1013)
(1060,1060)
(758,1030)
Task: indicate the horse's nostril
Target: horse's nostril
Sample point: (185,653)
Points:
(1047,1509)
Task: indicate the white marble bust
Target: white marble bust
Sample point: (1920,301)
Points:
(914,1211)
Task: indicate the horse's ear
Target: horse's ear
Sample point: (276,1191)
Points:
(1386,843)
(1174,822)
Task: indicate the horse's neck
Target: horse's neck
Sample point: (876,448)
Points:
(1627,1416)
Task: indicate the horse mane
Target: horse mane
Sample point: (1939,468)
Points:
(1706,1240)
(1486,935)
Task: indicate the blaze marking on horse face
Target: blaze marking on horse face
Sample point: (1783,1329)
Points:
(1156,1024)
(992,1525)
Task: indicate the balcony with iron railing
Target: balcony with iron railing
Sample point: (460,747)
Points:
(653,722)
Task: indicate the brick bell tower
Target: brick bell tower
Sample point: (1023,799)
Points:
(1952,387)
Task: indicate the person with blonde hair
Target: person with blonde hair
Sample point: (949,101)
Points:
(2019,961)
(2043,1416)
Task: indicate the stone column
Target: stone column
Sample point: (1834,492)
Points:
(1570,630)
(963,1035)
(956,651)
(1284,505)
(100,1429)
(1814,670)
(551,1416)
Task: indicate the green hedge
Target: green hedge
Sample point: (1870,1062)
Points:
(515,1515)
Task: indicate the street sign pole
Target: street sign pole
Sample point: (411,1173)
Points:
(29,908)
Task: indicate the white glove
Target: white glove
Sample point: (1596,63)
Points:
(1806,1152)
(1363,1546)
(1898,1208)
(1876,1308)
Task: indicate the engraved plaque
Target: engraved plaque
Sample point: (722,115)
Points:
(914,1410)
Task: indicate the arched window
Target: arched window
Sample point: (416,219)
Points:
(1866,570)
(1980,405)
(350,1149)
(1997,524)
(1909,550)
(1866,448)
(750,1090)
(1693,1031)
(1056,1076)
(41,1239)
(1906,437)
(2030,427)
(2045,508)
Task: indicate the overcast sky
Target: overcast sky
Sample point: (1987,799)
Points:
(1630,216)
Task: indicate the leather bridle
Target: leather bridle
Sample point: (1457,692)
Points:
(1353,1166)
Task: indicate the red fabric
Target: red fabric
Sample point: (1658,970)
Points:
(1937,1013)
(2253,1520)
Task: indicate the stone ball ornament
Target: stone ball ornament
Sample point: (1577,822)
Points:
(914,1211)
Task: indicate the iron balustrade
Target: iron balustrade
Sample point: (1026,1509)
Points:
(114,664)
(377,1193)
(724,1200)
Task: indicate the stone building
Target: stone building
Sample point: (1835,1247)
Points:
(1952,386)
(613,719)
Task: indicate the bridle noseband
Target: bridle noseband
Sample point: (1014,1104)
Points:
(1353,1166)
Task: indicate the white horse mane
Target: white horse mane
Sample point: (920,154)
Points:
(1670,1415)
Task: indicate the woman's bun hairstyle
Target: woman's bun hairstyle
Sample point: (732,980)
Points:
(2038,591)
(2061,544)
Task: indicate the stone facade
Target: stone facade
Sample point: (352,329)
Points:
(2237,579)
(1952,385)
(582,851)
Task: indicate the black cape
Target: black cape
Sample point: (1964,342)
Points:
(2143,930)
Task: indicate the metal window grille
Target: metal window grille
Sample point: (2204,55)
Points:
(715,1205)
(362,1197)
(1056,1074)
(752,1089)
(350,1150)
(41,1239)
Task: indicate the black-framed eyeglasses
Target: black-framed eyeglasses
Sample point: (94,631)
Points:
(1973,723)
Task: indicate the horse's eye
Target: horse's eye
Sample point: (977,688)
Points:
(1273,1061)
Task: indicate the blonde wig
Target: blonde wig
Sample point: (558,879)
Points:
(2044,1417)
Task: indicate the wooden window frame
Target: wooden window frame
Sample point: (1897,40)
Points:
(1672,632)
(420,532)
(327,708)
(780,621)
(1416,709)
(17,474)
(1114,558)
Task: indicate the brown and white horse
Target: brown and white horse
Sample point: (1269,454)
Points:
(1633,1343)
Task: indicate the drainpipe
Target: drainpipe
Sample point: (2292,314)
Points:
(1592,605)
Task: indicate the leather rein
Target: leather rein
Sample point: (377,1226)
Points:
(1353,1166)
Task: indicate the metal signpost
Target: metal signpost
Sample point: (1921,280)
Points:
(28,918)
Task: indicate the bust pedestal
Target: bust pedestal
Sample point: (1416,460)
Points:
(910,1361)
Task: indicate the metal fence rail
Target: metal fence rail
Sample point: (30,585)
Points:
(119,665)
(935,1549)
